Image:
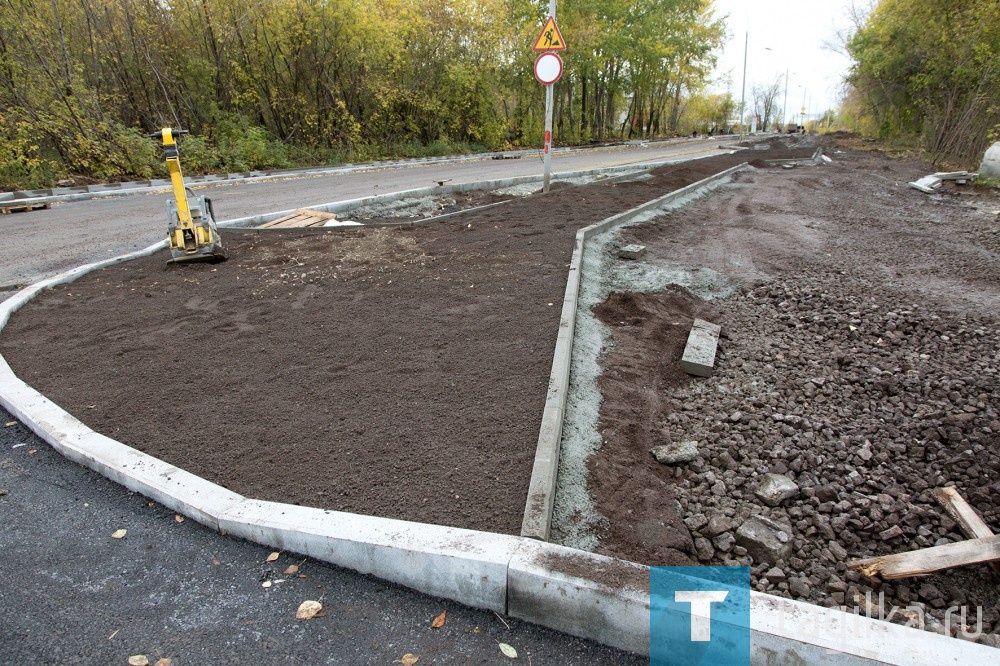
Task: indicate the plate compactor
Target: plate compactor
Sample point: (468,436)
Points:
(190,222)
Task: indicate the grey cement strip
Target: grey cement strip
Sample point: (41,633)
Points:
(534,581)
(537,521)
(621,172)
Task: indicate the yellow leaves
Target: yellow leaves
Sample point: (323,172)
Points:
(164,662)
(178,518)
(291,570)
(309,609)
(273,556)
(138,660)
(407,659)
(119,534)
(439,620)
(507,650)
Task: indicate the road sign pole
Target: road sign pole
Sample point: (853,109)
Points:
(548,137)
(548,119)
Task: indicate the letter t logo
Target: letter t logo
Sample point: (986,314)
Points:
(701,611)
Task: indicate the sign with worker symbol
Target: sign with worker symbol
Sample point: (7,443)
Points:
(550,39)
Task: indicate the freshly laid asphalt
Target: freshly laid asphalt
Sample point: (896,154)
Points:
(72,594)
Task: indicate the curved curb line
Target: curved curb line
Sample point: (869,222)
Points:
(537,521)
(531,580)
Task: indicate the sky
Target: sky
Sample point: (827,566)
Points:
(786,37)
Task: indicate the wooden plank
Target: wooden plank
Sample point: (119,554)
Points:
(968,520)
(23,208)
(928,560)
(323,215)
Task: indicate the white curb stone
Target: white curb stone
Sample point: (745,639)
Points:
(463,565)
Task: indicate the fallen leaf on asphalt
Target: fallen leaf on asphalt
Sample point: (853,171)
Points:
(508,650)
(308,609)
(273,556)
(178,518)
(266,583)
(407,659)
(32,452)
(292,569)
(216,562)
(119,534)
(9,424)
(439,620)
(138,660)
(164,662)
(91,406)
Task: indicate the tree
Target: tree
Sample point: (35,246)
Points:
(931,71)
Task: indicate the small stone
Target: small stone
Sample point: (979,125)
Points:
(775,575)
(631,251)
(765,539)
(838,551)
(799,587)
(696,521)
(826,493)
(703,549)
(776,488)
(717,525)
(736,417)
(891,533)
(675,452)
(724,542)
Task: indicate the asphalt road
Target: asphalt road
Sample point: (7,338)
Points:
(42,243)
(73,594)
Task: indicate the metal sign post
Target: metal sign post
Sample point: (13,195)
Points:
(548,69)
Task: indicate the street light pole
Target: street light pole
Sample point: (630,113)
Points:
(784,106)
(743,95)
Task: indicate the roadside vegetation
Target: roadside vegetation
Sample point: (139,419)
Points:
(278,83)
(927,75)
(281,83)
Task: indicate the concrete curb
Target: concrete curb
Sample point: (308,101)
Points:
(87,192)
(583,594)
(537,520)
(623,172)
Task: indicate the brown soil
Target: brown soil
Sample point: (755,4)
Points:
(394,372)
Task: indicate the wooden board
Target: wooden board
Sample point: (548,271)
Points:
(928,560)
(968,520)
(302,217)
(22,208)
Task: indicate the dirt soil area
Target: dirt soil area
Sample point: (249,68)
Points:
(402,371)
(859,360)
(397,372)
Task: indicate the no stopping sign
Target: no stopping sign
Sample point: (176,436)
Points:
(548,68)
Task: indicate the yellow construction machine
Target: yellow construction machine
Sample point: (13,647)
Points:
(190,221)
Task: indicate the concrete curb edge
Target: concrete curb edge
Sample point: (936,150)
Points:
(534,581)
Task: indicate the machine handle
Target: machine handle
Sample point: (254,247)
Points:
(173,132)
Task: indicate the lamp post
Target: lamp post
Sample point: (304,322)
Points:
(743,95)
(784,105)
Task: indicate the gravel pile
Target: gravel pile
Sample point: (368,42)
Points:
(857,372)
(866,406)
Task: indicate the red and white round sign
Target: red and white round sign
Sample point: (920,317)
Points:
(548,68)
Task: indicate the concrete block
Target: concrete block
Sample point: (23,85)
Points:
(699,353)
(463,565)
(631,251)
(990,168)
(783,631)
(927,184)
(582,594)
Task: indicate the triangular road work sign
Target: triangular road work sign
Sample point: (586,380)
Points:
(550,39)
